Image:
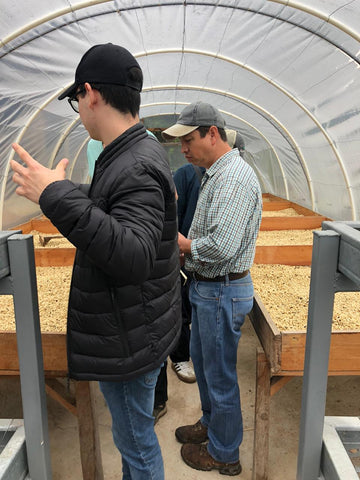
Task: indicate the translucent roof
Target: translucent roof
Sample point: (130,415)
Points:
(285,74)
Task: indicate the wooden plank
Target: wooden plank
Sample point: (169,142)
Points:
(88,432)
(277,383)
(291,223)
(269,197)
(342,373)
(25,227)
(54,354)
(305,211)
(276,205)
(285,351)
(56,390)
(43,225)
(344,352)
(271,202)
(283,254)
(54,257)
(267,332)
(262,418)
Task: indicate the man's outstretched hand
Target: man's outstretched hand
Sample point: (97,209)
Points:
(34,178)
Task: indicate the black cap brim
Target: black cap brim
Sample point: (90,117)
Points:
(69,92)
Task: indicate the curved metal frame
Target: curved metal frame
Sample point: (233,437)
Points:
(271,147)
(296,101)
(295,147)
(243,121)
(47,18)
(317,13)
(295,5)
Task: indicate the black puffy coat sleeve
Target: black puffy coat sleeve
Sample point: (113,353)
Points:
(120,232)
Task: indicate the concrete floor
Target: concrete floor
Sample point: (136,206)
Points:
(184,408)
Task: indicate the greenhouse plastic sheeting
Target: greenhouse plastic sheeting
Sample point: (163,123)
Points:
(285,74)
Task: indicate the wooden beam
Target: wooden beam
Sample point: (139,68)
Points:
(262,418)
(56,390)
(43,225)
(54,353)
(305,211)
(276,205)
(268,334)
(25,227)
(344,352)
(292,223)
(283,254)
(54,257)
(88,432)
(277,383)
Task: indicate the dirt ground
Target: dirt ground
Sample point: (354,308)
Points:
(184,408)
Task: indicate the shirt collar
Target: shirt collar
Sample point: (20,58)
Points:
(222,162)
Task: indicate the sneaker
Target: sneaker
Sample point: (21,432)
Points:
(198,457)
(159,412)
(196,433)
(184,371)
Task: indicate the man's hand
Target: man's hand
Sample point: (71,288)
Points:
(184,244)
(34,178)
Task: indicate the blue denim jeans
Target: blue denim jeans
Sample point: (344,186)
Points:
(131,406)
(218,313)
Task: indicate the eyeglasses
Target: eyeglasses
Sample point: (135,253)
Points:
(74,101)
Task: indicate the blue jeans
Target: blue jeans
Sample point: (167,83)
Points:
(131,406)
(218,313)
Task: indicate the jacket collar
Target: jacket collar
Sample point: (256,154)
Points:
(122,143)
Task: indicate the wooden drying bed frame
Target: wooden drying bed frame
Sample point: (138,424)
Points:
(286,254)
(278,362)
(81,402)
(281,357)
(283,254)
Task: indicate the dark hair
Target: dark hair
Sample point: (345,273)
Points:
(204,130)
(124,99)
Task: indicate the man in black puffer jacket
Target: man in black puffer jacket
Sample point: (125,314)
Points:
(124,306)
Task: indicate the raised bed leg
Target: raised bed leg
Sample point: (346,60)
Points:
(88,432)
(262,417)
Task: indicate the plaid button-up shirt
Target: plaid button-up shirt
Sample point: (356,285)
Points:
(227,219)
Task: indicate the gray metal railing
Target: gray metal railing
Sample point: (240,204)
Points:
(335,268)
(18,278)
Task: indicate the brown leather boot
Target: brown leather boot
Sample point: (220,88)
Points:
(197,456)
(196,433)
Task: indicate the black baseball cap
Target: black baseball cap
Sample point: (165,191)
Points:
(106,63)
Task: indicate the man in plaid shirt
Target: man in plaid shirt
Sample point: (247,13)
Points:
(219,252)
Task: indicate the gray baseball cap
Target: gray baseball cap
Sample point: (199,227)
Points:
(195,115)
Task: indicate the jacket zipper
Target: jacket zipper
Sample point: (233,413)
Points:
(122,331)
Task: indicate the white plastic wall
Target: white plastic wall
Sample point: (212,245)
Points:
(284,73)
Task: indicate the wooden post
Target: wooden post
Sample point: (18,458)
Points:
(262,417)
(88,432)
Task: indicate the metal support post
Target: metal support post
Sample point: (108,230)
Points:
(23,277)
(320,313)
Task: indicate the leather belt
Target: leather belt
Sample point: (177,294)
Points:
(221,278)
